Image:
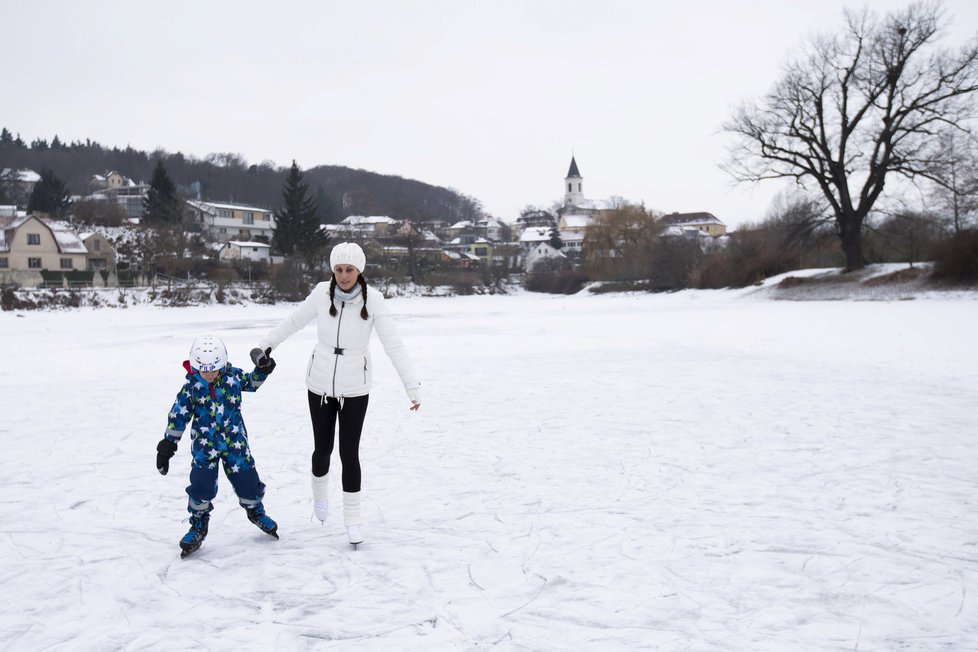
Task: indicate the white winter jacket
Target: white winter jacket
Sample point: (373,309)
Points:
(340,363)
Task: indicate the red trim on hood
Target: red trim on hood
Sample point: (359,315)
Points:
(186,365)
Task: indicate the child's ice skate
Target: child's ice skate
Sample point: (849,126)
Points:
(195,536)
(264,522)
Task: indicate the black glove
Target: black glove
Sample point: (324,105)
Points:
(262,360)
(164,451)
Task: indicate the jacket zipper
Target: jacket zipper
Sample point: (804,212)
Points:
(336,356)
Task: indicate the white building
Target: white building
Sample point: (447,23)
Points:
(534,235)
(224,222)
(541,253)
(250,250)
(363,227)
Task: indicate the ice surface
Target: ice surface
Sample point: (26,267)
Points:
(698,471)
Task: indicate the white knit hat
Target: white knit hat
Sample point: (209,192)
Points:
(347,253)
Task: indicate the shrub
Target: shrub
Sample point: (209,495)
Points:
(750,258)
(462,282)
(10,301)
(956,259)
(568,282)
(289,282)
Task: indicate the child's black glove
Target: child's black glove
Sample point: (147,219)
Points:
(164,451)
(262,361)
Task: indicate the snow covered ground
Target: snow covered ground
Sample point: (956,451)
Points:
(706,471)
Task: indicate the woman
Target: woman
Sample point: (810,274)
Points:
(339,372)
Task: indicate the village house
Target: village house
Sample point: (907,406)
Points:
(130,197)
(363,227)
(31,246)
(19,184)
(224,222)
(705,223)
(532,236)
(108,180)
(101,254)
(542,254)
(251,250)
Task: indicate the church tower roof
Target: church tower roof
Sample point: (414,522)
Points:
(573,173)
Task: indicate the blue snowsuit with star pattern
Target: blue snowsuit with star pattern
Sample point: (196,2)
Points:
(218,435)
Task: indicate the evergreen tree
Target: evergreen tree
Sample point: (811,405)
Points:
(297,231)
(49,196)
(555,240)
(6,138)
(162,205)
(5,196)
(326,209)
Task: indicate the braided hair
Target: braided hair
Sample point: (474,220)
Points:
(363,288)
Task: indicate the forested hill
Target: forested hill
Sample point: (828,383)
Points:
(340,191)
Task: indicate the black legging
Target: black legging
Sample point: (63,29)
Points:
(323,428)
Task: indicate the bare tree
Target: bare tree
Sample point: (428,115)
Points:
(856,109)
(954,170)
(620,244)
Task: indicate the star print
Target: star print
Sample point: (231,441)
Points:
(235,468)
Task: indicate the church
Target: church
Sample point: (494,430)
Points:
(577,212)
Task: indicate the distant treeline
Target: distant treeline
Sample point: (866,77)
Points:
(339,191)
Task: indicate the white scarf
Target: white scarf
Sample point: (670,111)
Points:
(346,297)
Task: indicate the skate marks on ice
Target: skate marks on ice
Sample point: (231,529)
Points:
(715,476)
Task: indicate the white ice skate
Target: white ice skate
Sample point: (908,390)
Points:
(320,497)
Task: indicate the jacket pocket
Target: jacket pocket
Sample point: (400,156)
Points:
(312,359)
(365,371)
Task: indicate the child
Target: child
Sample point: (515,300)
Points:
(211,396)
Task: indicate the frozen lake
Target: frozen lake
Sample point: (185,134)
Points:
(696,471)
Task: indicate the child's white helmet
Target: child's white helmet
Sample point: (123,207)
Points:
(208,354)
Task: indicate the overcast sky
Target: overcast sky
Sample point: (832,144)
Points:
(489,97)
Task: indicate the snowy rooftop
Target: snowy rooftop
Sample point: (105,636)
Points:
(689,218)
(535,234)
(595,204)
(68,241)
(205,205)
(544,250)
(248,243)
(575,221)
(357,220)
(23,176)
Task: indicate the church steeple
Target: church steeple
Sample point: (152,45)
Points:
(573,185)
(573,173)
